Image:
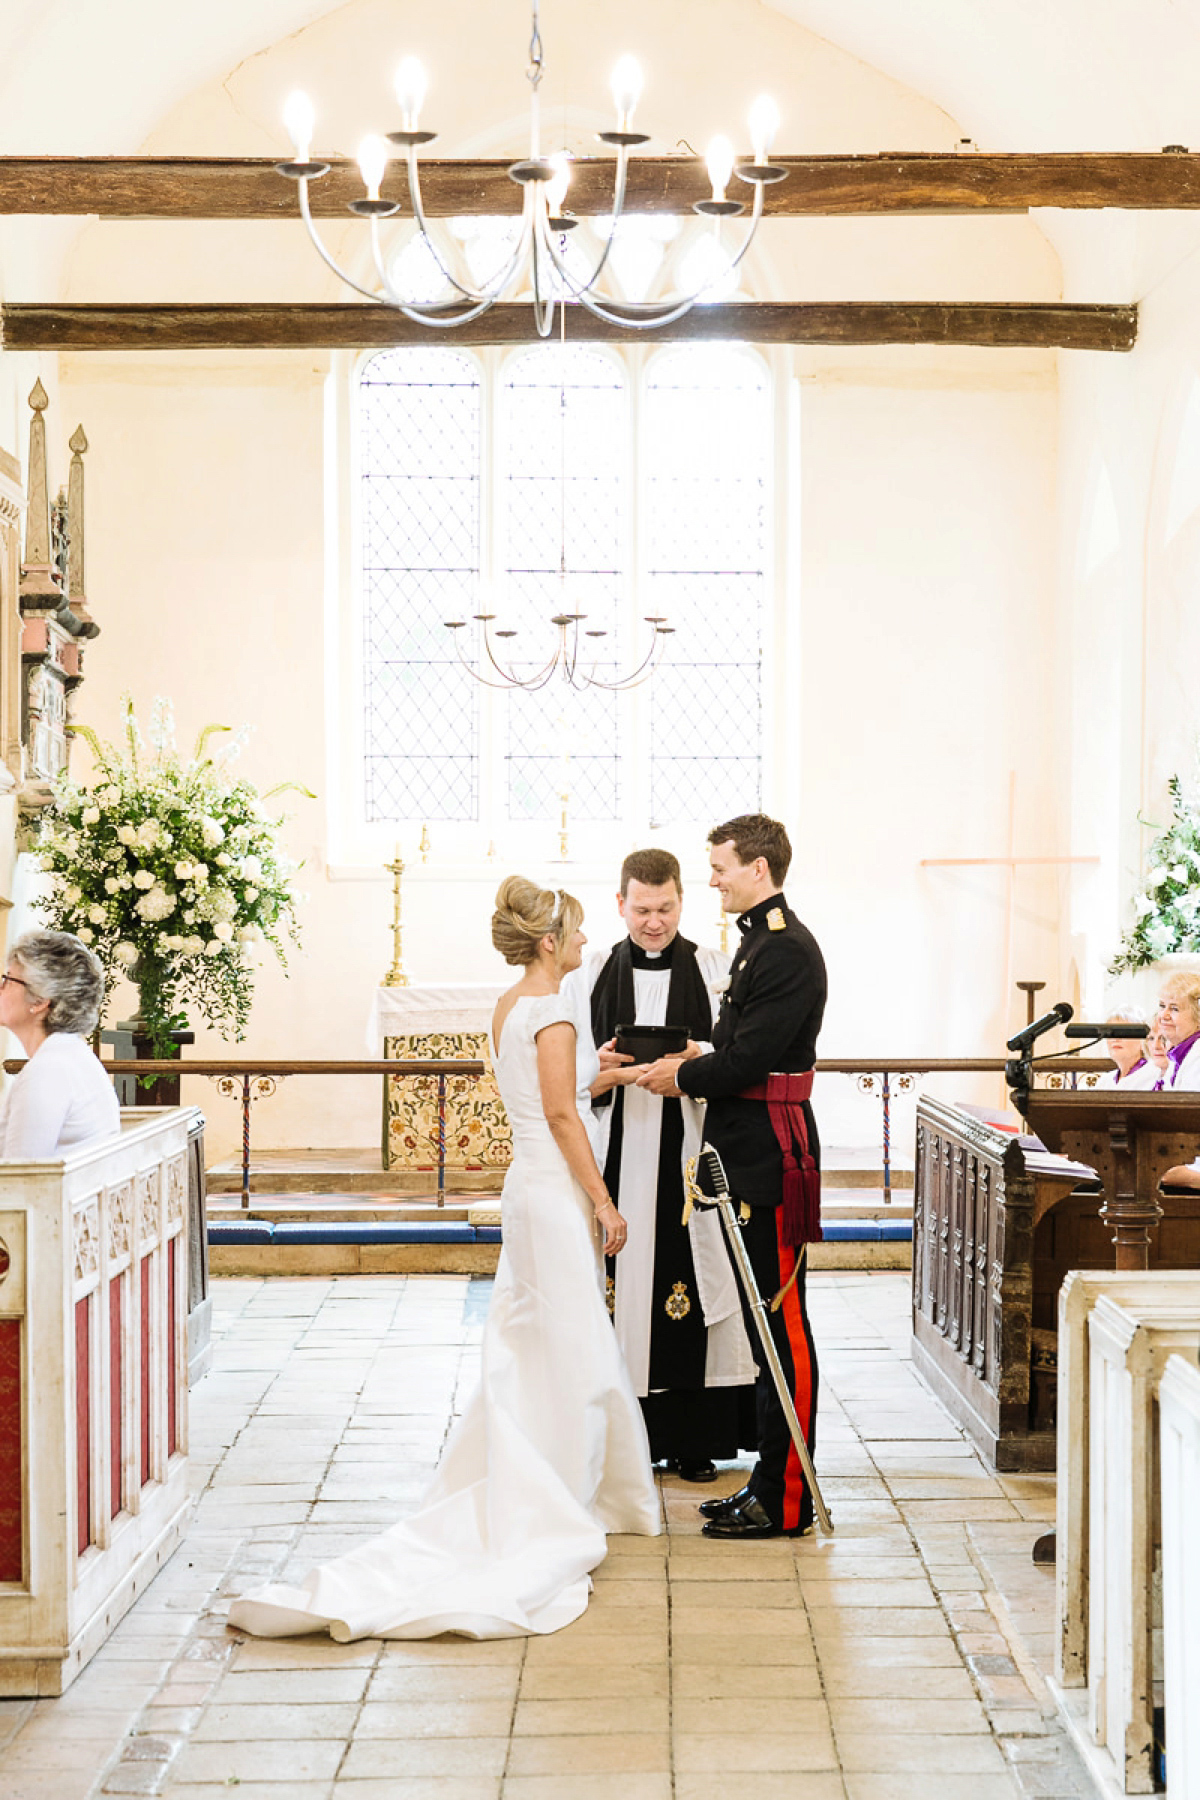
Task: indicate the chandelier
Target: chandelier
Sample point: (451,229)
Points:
(538,264)
(577,662)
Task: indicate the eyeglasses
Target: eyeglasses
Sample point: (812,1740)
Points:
(15,979)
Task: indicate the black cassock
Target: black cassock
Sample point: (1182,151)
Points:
(685,1419)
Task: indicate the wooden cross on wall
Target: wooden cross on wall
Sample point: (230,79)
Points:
(1010,863)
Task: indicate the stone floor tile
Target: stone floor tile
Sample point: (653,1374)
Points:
(233,1724)
(610,1753)
(825,1784)
(914,1591)
(433,1719)
(897,1752)
(580,1718)
(702,1753)
(750,1715)
(249,1790)
(416,1787)
(565,1647)
(626,1786)
(734,1679)
(579,1681)
(899,1680)
(293,1687)
(927,1786)
(717,1594)
(442,1681)
(857,1715)
(381,1759)
(266,1759)
(830,1622)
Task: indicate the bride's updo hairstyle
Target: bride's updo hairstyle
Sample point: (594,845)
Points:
(526,913)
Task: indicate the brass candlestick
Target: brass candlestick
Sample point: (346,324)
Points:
(424,845)
(395,976)
(723,932)
(562,827)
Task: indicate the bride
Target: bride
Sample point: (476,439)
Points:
(550,1453)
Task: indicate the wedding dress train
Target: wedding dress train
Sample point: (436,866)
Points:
(550,1453)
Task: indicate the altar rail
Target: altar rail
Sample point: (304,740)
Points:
(93,1391)
(249,1081)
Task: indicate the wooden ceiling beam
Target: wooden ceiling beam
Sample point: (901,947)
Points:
(358,327)
(149,187)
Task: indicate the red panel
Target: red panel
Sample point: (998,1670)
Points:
(83,1422)
(172,1371)
(11,1556)
(147,1278)
(116,1370)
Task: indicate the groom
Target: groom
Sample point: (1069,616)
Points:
(767,1138)
(676,1306)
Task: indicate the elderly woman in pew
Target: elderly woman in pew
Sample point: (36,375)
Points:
(50,1000)
(1178,1018)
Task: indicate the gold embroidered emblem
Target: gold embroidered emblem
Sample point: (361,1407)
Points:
(776,920)
(610,1296)
(742,964)
(678,1306)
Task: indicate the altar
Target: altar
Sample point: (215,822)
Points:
(448,1125)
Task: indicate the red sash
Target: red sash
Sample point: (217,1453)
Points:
(785,1095)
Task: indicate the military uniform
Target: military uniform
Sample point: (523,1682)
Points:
(770,1016)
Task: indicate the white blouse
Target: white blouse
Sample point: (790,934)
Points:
(59,1101)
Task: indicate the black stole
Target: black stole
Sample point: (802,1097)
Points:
(688,1001)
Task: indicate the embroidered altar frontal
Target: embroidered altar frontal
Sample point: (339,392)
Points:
(471,1123)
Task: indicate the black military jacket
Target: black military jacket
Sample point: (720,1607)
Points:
(770,1015)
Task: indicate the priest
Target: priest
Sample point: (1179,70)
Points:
(672,1291)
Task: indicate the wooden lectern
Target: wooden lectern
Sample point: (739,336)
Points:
(1130,1139)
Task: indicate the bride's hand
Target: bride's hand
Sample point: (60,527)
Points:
(613,1226)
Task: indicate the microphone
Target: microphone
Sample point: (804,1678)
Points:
(1113,1030)
(1058,1015)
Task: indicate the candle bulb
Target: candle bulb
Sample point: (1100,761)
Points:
(411,84)
(626,90)
(299,118)
(720,165)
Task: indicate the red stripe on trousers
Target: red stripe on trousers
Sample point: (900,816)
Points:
(795,1488)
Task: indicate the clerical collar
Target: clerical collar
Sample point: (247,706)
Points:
(651,959)
(757,914)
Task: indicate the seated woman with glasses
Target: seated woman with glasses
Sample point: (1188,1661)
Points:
(50,1000)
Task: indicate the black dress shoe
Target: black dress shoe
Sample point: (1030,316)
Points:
(716,1509)
(694,1471)
(748,1519)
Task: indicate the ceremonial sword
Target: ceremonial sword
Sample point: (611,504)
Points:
(722,1199)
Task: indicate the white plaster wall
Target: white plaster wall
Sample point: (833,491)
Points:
(1129,567)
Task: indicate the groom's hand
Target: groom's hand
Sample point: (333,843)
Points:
(659,1078)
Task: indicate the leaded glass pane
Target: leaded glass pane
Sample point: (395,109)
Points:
(707,436)
(563,500)
(420,447)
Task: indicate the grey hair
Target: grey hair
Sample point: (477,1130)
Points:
(63,971)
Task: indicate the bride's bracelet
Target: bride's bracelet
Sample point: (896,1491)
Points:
(607,1201)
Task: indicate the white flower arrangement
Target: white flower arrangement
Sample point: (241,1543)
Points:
(136,875)
(1167,911)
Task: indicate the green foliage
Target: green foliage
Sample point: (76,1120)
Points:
(171,871)
(1167,911)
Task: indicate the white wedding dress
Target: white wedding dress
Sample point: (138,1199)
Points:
(551,1452)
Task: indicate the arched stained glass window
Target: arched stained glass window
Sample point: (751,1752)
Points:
(563,498)
(708,458)
(420,423)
